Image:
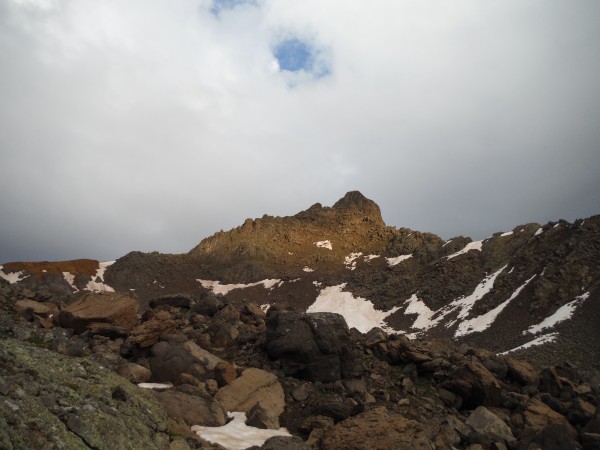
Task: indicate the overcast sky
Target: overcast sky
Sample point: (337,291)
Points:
(151,124)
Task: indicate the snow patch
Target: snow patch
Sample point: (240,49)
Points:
(308,269)
(324,244)
(397,260)
(563,313)
(539,231)
(97,281)
(540,340)
(224,289)
(236,435)
(12,277)
(350,260)
(425,320)
(359,313)
(70,278)
(370,257)
(447,242)
(265,307)
(508,233)
(155,385)
(484,321)
(470,246)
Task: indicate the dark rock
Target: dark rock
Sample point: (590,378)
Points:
(475,385)
(174,300)
(284,443)
(259,417)
(315,347)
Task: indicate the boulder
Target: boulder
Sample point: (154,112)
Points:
(485,422)
(170,359)
(149,332)
(522,372)
(315,347)
(175,300)
(547,428)
(134,373)
(284,443)
(112,308)
(199,409)
(259,417)
(474,384)
(252,387)
(377,430)
(208,305)
(27,307)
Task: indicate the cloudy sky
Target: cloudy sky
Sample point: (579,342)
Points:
(151,124)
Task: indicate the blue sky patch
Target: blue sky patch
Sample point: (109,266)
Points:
(295,55)
(220,5)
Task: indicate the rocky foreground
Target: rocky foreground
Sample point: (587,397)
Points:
(71,368)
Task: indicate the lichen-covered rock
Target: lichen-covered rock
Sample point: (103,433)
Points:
(55,401)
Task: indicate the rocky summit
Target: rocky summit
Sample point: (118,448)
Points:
(324,330)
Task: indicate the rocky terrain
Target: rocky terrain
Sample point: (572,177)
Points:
(348,333)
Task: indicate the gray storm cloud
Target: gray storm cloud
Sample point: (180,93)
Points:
(149,125)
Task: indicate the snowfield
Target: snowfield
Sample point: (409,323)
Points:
(359,313)
(96,286)
(236,435)
(12,277)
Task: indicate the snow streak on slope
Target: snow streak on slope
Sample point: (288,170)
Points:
(236,435)
(464,304)
(359,313)
(397,260)
(563,313)
(70,278)
(483,322)
(224,289)
(470,246)
(12,277)
(540,340)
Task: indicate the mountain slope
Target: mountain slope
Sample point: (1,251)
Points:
(345,259)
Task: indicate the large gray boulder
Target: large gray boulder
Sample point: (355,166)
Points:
(315,346)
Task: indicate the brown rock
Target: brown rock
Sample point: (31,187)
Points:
(112,308)
(26,307)
(487,423)
(252,387)
(377,430)
(225,373)
(170,359)
(522,372)
(259,417)
(134,373)
(475,385)
(148,333)
(198,409)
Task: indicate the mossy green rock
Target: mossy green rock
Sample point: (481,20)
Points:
(48,400)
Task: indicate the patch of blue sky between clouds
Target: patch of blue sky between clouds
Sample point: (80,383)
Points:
(301,60)
(224,5)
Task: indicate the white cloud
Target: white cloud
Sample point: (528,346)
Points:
(164,122)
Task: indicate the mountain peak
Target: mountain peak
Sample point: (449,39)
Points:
(357,201)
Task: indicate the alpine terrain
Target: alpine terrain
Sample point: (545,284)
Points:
(325,330)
